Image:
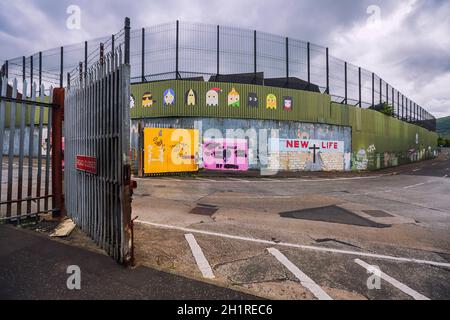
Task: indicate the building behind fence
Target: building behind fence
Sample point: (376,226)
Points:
(201,51)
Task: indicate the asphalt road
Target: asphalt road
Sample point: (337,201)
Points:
(412,250)
(35,267)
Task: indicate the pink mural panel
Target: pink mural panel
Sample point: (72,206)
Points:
(225,154)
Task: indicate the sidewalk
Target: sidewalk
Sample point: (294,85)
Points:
(34,267)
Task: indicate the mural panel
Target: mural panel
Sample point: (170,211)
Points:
(225,154)
(170,150)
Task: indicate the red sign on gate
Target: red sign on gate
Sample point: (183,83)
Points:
(86,164)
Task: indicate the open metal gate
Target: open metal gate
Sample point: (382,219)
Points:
(97,143)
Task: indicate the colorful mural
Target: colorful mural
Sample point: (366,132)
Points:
(234,99)
(170,150)
(253,100)
(271,101)
(132,102)
(212,97)
(191,97)
(169,97)
(287,103)
(225,154)
(147,100)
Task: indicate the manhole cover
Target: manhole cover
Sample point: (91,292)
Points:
(332,214)
(204,210)
(378,213)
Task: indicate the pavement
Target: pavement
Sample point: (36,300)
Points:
(35,267)
(247,236)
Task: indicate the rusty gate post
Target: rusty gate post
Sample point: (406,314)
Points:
(57,153)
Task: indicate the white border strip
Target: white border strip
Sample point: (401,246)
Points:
(199,257)
(414,185)
(305,281)
(395,283)
(298,246)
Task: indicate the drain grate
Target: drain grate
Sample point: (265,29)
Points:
(378,213)
(332,214)
(204,210)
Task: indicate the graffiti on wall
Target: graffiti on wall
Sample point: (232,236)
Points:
(225,154)
(306,155)
(170,150)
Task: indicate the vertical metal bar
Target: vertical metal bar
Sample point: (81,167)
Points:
(39,169)
(113,45)
(328,71)
(58,203)
(143,56)
(177,73)
(255,66)
(31,73)
(21,151)
(387,94)
(61,70)
(345,80)
(85,59)
(309,64)
(287,61)
(398,104)
(40,73)
(12,126)
(218,50)
(403,107)
(373,89)
(3,90)
(359,85)
(47,154)
(381,91)
(23,69)
(31,149)
(127,40)
(393,101)
(6,69)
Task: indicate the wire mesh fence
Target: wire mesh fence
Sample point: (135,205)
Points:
(218,53)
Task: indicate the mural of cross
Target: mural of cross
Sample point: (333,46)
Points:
(314,148)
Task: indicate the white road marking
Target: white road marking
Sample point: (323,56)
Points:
(298,246)
(199,257)
(204,179)
(237,179)
(305,281)
(435,164)
(414,185)
(418,169)
(395,283)
(170,179)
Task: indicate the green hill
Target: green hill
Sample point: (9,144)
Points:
(443,127)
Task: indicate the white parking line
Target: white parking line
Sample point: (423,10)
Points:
(298,246)
(392,281)
(237,179)
(199,257)
(305,281)
(414,185)
(204,179)
(418,169)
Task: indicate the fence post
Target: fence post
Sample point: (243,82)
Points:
(85,59)
(345,80)
(254,56)
(381,91)
(373,89)
(359,84)
(61,66)
(143,56)
(308,48)
(218,50)
(102,54)
(40,73)
(398,104)
(68,80)
(23,69)
(387,93)
(57,153)
(328,71)
(113,44)
(31,74)
(127,40)
(6,68)
(177,74)
(393,101)
(287,61)
(403,107)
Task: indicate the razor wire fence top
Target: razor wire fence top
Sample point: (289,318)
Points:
(201,51)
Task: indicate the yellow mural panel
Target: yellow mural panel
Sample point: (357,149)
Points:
(170,150)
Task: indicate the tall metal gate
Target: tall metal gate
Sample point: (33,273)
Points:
(26,174)
(97,165)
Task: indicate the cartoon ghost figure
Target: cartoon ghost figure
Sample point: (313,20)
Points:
(234,98)
(212,97)
(253,100)
(169,97)
(271,101)
(287,103)
(132,102)
(191,97)
(147,100)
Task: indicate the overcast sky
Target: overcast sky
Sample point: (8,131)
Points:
(406,42)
